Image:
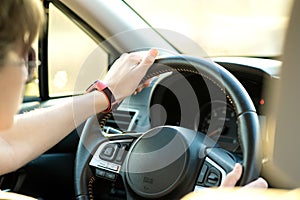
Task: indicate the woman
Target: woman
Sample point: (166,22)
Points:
(20,137)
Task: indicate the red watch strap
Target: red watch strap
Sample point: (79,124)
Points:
(102,87)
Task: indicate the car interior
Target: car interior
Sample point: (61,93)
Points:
(201,114)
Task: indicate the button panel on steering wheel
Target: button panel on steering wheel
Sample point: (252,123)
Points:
(109,157)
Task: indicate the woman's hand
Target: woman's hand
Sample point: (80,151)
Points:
(124,76)
(235,175)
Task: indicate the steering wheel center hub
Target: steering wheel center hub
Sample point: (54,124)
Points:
(157,162)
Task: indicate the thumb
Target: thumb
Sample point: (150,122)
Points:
(233,176)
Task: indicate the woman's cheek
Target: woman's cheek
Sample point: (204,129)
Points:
(13,78)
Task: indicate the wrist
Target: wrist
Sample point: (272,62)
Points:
(103,88)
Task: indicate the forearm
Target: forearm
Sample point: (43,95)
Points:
(35,132)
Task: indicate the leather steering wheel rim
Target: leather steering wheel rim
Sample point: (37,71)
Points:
(248,124)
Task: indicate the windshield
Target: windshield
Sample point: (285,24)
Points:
(222,28)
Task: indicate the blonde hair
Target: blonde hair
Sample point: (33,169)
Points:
(20,21)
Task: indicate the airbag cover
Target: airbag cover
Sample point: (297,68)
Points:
(157,162)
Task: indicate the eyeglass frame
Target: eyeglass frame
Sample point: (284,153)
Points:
(29,65)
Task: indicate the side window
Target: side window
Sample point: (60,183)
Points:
(74,59)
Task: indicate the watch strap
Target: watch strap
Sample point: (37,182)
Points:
(102,87)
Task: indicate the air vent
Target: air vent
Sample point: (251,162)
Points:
(121,121)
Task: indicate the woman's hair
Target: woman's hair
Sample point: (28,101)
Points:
(20,21)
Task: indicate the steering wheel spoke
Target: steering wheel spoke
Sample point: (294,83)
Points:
(211,175)
(109,158)
(217,164)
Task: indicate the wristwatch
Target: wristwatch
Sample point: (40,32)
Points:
(102,87)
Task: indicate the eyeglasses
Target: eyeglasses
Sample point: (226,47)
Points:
(30,65)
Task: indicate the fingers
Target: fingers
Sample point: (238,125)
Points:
(258,183)
(140,61)
(233,176)
(125,74)
(146,62)
(126,62)
(146,84)
(149,59)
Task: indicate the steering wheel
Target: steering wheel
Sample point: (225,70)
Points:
(167,162)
